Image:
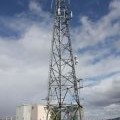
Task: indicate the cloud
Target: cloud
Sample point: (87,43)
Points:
(97,46)
(103,98)
(24,63)
(98,43)
(36,9)
(106,92)
(90,31)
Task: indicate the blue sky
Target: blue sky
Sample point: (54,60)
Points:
(95,9)
(25,35)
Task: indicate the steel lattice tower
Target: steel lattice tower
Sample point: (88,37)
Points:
(63,101)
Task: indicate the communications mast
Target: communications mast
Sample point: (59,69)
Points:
(63,102)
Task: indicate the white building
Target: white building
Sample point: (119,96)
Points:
(31,112)
(23,112)
(38,112)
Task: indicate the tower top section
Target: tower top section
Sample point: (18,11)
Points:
(62,9)
(63,101)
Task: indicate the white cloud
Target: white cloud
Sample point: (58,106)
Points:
(35,8)
(24,65)
(90,34)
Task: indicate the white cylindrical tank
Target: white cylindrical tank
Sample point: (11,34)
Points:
(23,112)
(31,112)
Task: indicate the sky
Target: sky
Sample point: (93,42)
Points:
(25,38)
